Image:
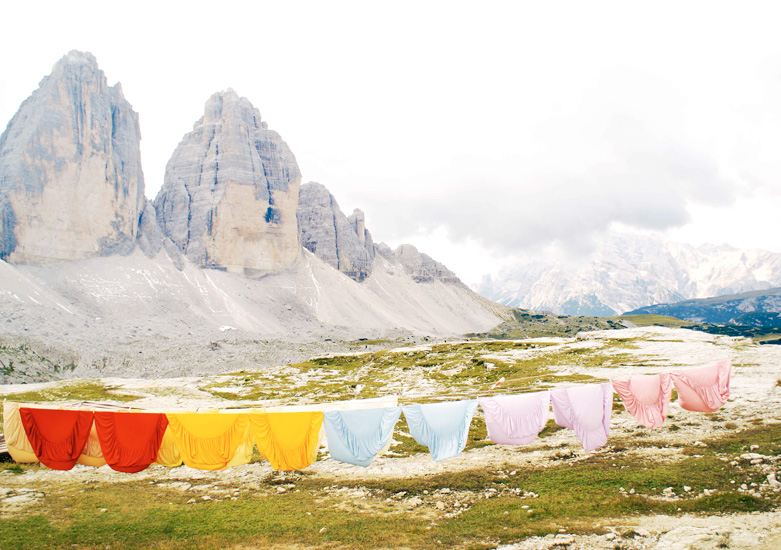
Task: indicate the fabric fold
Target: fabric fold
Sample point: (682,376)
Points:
(703,389)
(288,440)
(585,409)
(209,440)
(57,436)
(647,398)
(15,439)
(130,440)
(357,436)
(515,419)
(442,427)
(168,454)
(92,454)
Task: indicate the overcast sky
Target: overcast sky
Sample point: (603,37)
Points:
(480,132)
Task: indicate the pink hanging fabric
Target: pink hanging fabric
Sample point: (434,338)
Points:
(586,409)
(647,398)
(703,389)
(515,419)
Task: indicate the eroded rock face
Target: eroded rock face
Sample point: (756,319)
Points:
(230,192)
(344,243)
(421,267)
(71,184)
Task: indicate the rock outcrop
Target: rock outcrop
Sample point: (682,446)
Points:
(230,192)
(71,184)
(421,267)
(343,243)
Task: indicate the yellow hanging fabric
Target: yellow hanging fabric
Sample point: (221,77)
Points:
(289,440)
(92,455)
(168,454)
(210,440)
(18,445)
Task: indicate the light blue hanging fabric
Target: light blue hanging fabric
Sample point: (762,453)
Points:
(356,436)
(442,427)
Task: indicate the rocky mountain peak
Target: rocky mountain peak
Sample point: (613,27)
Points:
(230,192)
(72,147)
(343,243)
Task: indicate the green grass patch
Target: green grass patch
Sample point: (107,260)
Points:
(86,390)
(648,320)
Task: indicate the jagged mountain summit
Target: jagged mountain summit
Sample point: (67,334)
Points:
(72,147)
(630,271)
(121,284)
(341,242)
(231,190)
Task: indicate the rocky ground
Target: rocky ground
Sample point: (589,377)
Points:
(754,466)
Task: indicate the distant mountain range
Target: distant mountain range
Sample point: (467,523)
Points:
(627,272)
(758,308)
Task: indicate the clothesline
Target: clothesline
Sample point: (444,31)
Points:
(130,439)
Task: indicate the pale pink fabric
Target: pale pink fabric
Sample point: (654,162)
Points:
(586,409)
(647,398)
(515,419)
(703,389)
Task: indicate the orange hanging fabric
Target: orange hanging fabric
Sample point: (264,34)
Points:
(289,440)
(130,440)
(57,436)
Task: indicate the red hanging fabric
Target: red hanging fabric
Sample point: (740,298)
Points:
(56,436)
(130,440)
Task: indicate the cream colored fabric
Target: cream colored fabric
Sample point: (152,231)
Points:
(18,445)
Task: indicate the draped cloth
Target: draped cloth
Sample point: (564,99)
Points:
(515,419)
(647,398)
(56,436)
(442,427)
(585,409)
(130,440)
(288,440)
(357,436)
(703,389)
(211,440)
(168,454)
(18,445)
(92,454)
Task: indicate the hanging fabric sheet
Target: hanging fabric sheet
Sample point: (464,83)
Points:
(168,454)
(515,419)
(647,398)
(288,440)
(442,427)
(211,440)
(357,436)
(56,436)
(703,389)
(586,409)
(15,439)
(92,454)
(130,440)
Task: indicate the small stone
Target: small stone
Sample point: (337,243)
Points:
(744,486)
(103,510)
(281,490)
(529,511)
(513,473)
(322,530)
(642,532)
(191,501)
(753,448)
(440,505)
(206,497)
(505,512)
(632,491)
(562,530)
(445,491)
(687,488)
(525,507)
(610,536)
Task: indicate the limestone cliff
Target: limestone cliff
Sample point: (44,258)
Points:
(230,192)
(421,267)
(343,243)
(71,184)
